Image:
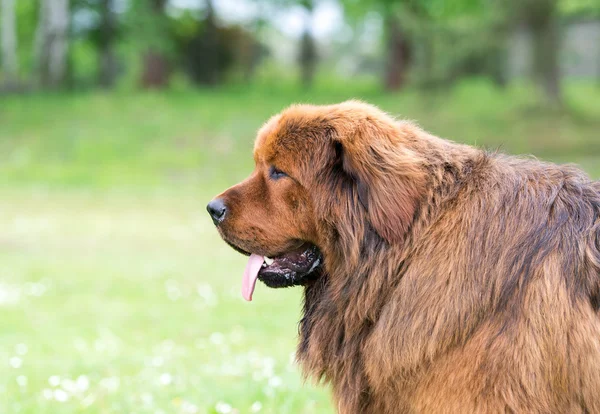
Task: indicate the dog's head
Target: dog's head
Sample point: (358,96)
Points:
(326,178)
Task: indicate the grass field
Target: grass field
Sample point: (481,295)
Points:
(116,294)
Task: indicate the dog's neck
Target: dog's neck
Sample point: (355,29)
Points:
(352,262)
(343,304)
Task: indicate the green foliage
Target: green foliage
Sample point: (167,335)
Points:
(433,9)
(477,29)
(147,28)
(27,16)
(580,8)
(152,139)
(199,55)
(92,29)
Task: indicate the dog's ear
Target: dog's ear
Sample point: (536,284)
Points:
(389,178)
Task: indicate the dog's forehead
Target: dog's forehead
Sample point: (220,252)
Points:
(290,130)
(304,120)
(263,145)
(280,132)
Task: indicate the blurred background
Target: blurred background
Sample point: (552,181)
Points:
(121,119)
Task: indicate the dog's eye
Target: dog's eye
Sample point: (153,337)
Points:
(276,174)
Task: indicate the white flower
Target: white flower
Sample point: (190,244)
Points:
(167,345)
(110,383)
(188,408)
(16,362)
(21,349)
(269,392)
(22,380)
(256,407)
(217,338)
(206,293)
(166,379)
(54,380)
(60,395)
(237,335)
(173,291)
(275,382)
(147,398)
(223,408)
(68,385)
(89,400)
(36,289)
(158,361)
(83,383)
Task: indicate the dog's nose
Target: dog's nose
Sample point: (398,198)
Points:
(216,208)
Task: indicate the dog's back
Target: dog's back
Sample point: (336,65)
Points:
(498,308)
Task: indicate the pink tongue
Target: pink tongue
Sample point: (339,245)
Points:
(250,274)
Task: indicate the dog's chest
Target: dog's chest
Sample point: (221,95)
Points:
(329,351)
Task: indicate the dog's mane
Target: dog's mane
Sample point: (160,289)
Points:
(484,227)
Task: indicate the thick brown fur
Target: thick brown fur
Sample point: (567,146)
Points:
(455,280)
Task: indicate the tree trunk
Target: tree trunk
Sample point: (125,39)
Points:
(499,69)
(598,67)
(52,42)
(252,48)
(8,37)
(428,43)
(107,69)
(544,26)
(211,44)
(157,69)
(250,58)
(397,52)
(308,58)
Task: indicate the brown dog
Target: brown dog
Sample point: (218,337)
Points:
(438,278)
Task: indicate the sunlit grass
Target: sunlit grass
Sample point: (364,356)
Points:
(186,137)
(122,304)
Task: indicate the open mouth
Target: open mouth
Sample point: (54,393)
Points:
(288,269)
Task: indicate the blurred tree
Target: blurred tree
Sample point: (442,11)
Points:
(542,19)
(157,69)
(582,9)
(204,50)
(8,37)
(397,44)
(397,49)
(96,24)
(448,40)
(307,57)
(472,43)
(209,52)
(408,26)
(148,30)
(252,51)
(579,8)
(107,35)
(52,42)
(210,44)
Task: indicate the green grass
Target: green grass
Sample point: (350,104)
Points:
(182,137)
(116,293)
(139,299)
